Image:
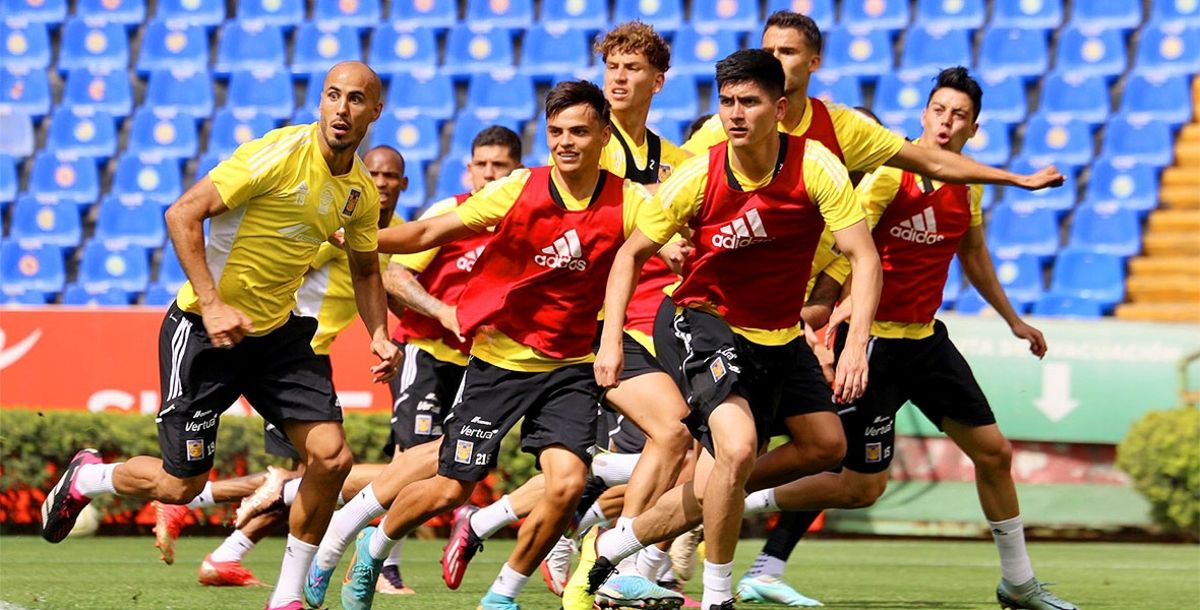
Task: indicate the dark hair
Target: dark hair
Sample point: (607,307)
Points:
(696,125)
(637,37)
(576,92)
(390,149)
(752,66)
(959,79)
(797,21)
(863,110)
(498,135)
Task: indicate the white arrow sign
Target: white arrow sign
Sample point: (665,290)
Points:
(1056,402)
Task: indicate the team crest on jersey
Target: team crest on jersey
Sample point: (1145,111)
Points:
(664,172)
(717,368)
(351,202)
(423,425)
(874,452)
(195,449)
(463,451)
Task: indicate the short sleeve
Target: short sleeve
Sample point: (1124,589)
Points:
(708,135)
(362,231)
(975,193)
(676,202)
(487,207)
(254,169)
(635,198)
(865,144)
(877,191)
(828,186)
(418,261)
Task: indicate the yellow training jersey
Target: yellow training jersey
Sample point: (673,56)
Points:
(283,204)
(613,158)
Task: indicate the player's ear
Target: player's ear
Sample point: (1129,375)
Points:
(659,80)
(781,108)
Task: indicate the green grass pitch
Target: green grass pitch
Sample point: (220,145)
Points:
(124,573)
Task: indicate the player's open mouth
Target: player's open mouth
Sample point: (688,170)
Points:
(619,93)
(568,157)
(740,132)
(340,129)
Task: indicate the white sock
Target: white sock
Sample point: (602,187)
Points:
(615,468)
(205,497)
(766,565)
(762,501)
(394,557)
(618,543)
(649,561)
(718,583)
(296,558)
(380,546)
(491,518)
(509,582)
(664,572)
(289,491)
(628,566)
(94,479)
(1010,541)
(593,517)
(233,548)
(345,524)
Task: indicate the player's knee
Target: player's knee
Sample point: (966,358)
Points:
(453,493)
(674,439)
(332,462)
(565,489)
(864,493)
(996,458)
(738,456)
(829,449)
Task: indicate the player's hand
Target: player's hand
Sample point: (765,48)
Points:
(1044,178)
(840,315)
(448,317)
(851,377)
(610,361)
(824,355)
(1037,342)
(226,325)
(389,360)
(675,253)
(338,238)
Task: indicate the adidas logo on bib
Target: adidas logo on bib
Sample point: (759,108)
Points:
(565,252)
(466,262)
(920,229)
(741,232)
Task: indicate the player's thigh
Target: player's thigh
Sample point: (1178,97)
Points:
(651,401)
(942,385)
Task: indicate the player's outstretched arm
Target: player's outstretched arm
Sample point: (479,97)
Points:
(423,234)
(952,167)
(372,308)
(866,281)
(977,264)
(404,287)
(622,279)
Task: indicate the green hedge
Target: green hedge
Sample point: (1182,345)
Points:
(1162,455)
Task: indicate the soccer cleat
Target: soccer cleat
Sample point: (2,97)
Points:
(225,574)
(316,584)
(575,595)
(495,601)
(767,589)
(168,522)
(556,567)
(358,587)
(64,503)
(683,554)
(461,548)
(268,497)
(634,591)
(288,606)
(1030,596)
(674,585)
(390,582)
(725,605)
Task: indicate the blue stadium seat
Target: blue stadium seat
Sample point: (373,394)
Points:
(511,14)
(1088,275)
(453,178)
(108,91)
(172,44)
(415,197)
(100,295)
(548,51)
(320,46)
(969,302)
(131,220)
(8,181)
(1182,12)
(726,15)
(469,52)
(1068,96)
(50,12)
(467,126)
(1013,51)
(74,179)
(1014,230)
(172,136)
(898,97)
(207,161)
(26,45)
(989,196)
(908,128)
(100,46)
(31,268)
(821,11)
(1132,140)
(678,100)
(539,153)
(17,127)
(954,283)
(1088,53)
(862,54)
(948,14)
(429,95)
(928,51)
(1021,278)
(170,272)
(26,91)
(666,15)
(313,91)
(889,15)
(1067,144)
(1168,49)
(129,13)
(417,138)
(395,48)
(1006,99)
(425,13)
(695,53)
(46,221)
(1109,14)
(232,127)
(204,13)
(840,89)
(1027,14)
(1157,96)
(1131,186)
(183,91)
(1107,229)
(991,145)
(361,14)
(590,15)
(104,267)
(158,295)
(1053,305)
(265,93)
(83,133)
(494,95)
(246,45)
(28,297)
(158,180)
(283,13)
(1057,200)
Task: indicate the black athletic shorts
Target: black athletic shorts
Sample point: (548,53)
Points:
(805,392)
(931,373)
(277,443)
(278,373)
(559,408)
(421,394)
(618,434)
(638,360)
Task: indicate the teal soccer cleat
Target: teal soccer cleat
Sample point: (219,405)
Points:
(772,590)
(1029,596)
(358,587)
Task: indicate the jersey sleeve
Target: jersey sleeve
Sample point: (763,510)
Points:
(636,197)
(325,253)
(612,158)
(362,230)
(866,145)
(708,135)
(487,207)
(975,193)
(877,191)
(255,169)
(677,200)
(418,261)
(828,186)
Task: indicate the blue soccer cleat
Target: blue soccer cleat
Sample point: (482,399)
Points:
(633,591)
(358,587)
(495,601)
(769,589)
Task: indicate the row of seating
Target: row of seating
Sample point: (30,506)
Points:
(1082,284)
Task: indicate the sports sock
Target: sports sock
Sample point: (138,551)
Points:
(593,517)
(766,565)
(1010,541)
(762,501)
(204,498)
(665,572)
(615,468)
(491,518)
(789,529)
(233,548)
(618,543)
(94,479)
(393,558)
(296,558)
(346,522)
(289,491)
(380,546)
(649,560)
(718,583)
(509,582)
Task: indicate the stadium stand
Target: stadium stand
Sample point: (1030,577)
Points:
(101,91)
(26,91)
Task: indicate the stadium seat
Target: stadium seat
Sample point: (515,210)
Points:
(899,97)
(820,11)
(511,14)
(170,272)
(908,128)
(1169,49)
(1067,144)
(539,153)
(989,196)
(265,93)
(1067,96)
(1088,275)
(205,13)
(1131,186)
(928,51)
(1107,15)
(64,177)
(1014,230)
(950,14)
(99,46)
(82,132)
(46,221)
(417,138)
(172,136)
(695,53)
(207,161)
(678,101)
(1156,96)
(469,52)
(395,48)
(17,127)
(158,180)
(453,178)
(1013,52)
(8,181)
(100,295)
(1061,306)
(130,220)
(1107,229)
(1182,12)
(319,46)
(1021,278)
(547,51)
(886,15)
(26,45)
(129,13)
(26,91)
(50,12)
(429,95)
(991,145)
(415,197)
(361,14)
(589,15)
(840,89)
(107,91)
(313,90)
(666,15)
(726,15)
(425,14)
(1088,53)
(1133,140)
(246,45)
(169,45)
(1006,99)
(231,127)
(30,267)
(158,295)
(857,54)
(1057,200)
(1027,14)
(969,302)
(286,14)
(466,127)
(28,297)
(103,267)
(494,95)
(182,91)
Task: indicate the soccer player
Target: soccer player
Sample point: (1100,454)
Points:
(231,331)
(435,359)
(756,207)
(918,227)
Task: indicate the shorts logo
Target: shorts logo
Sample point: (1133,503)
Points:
(874,452)
(351,202)
(424,425)
(463,451)
(195,449)
(717,368)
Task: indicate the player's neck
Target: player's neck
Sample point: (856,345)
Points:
(339,162)
(580,183)
(632,121)
(797,108)
(755,162)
